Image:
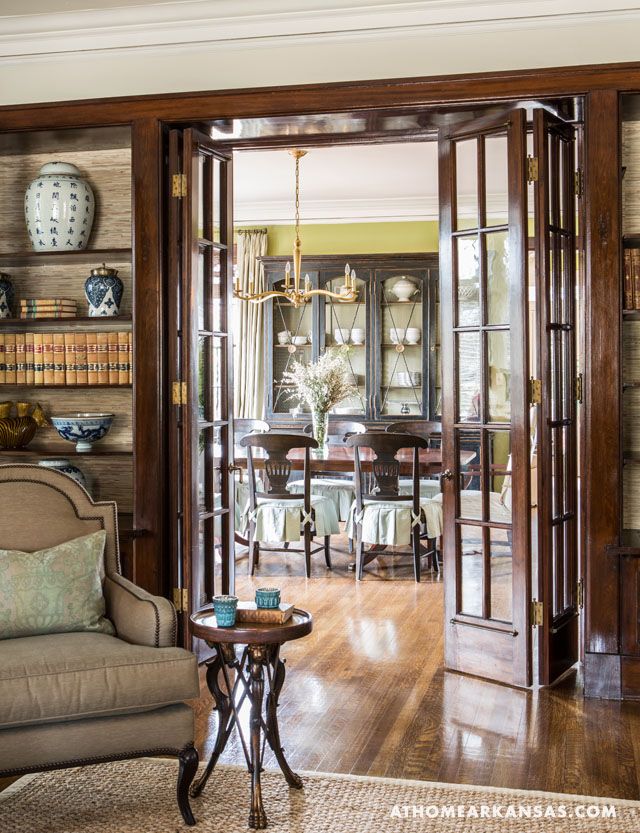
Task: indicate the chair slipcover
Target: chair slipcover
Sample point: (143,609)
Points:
(471,507)
(242,499)
(340,492)
(385,523)
(281,520)
(428,488)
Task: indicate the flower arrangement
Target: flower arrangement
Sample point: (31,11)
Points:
(321,385)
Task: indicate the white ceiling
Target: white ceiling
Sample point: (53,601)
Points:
(350,183)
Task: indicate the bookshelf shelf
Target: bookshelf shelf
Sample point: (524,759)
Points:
(23,385)
(58,452)
(84,321)
(65,258)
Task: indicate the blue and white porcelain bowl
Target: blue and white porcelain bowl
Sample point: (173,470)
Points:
(82,429)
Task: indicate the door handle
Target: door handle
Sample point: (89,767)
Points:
(447,474)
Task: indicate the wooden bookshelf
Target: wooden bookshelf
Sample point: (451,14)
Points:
(83,256)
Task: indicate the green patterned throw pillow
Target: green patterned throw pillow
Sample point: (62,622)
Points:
(57,590)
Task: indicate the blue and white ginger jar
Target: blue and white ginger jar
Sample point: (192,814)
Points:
(66,467)
(59,207)
(103,290)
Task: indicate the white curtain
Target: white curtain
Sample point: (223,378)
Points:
(249,337)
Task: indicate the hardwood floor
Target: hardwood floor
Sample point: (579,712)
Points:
(366,693)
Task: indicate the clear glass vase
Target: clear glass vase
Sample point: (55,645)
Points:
(320,422)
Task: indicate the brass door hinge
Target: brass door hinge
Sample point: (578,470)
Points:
(537,613)
(578,181)
(178,393)
(181,599)
(580,593)
(579,387)
(535,391)
(532,168)
(179,185)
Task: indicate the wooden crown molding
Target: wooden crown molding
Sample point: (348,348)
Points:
(233,24)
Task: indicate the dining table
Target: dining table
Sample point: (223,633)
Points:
(340,458)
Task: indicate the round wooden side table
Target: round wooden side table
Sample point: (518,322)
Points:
(259,658)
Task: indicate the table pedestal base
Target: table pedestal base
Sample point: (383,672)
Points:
(258,663)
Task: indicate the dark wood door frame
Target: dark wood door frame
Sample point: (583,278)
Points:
(606,672)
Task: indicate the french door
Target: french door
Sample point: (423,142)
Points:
(200,363)
(485,414)
(488,397)
(557,442)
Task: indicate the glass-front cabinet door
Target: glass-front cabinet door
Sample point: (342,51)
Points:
(345,326)
(288,339)
(404,309)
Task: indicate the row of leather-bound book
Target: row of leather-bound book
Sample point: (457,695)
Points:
(71,358)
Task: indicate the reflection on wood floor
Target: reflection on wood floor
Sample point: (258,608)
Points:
(366,693)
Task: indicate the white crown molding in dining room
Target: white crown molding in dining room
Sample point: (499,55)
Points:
(360,210)
(237,24)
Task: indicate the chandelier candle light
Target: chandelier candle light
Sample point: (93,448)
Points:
(293,292)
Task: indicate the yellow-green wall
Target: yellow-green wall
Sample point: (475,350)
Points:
(355,238)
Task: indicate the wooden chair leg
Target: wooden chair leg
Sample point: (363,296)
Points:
(252,550)
(359,554)
(186,773)
(327,551)
(434,554)
(307,551)
(415,536)
(350,545)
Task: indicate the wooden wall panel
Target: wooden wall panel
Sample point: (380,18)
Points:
(602,371)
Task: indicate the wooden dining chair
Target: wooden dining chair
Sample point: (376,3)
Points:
(275,515)
(432,432)
(403,510)
(337,486)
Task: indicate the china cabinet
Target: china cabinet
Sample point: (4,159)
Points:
(389,335)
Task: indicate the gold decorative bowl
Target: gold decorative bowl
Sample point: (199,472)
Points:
(16,432)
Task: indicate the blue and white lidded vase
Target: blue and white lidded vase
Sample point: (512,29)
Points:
(103,290)
(6,296)
(58,208)
(66,467)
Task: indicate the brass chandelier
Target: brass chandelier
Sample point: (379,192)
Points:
(293,292)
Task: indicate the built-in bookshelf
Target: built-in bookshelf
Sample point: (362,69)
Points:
(75,384)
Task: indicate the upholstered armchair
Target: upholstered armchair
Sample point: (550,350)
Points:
(71,699)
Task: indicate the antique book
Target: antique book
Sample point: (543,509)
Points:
(92,358)
(112,345)
(10,358)
(628,280)
(47,358)
(28,358)
(130,351)
(70,370)
(59,373)
(248,612)
(34,316)
(3,361)
(123,358)
(81,359)
(48,302)
(103,358)
(38,359)
(21,365)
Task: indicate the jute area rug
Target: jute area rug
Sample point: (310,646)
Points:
(138,797)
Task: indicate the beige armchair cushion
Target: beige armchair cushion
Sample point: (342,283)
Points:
(79,675)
